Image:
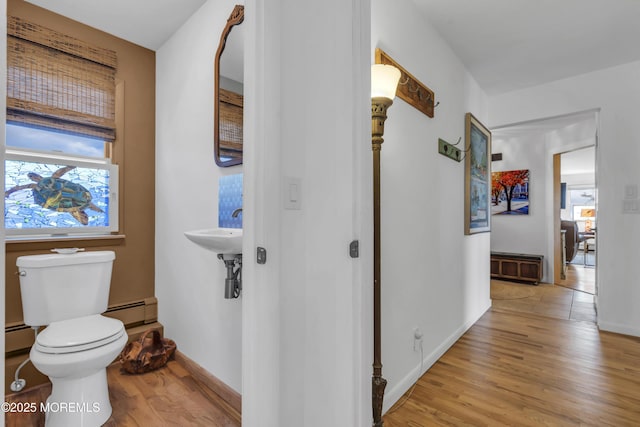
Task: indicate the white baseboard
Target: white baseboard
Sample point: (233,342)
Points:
(394,394)
(618,328)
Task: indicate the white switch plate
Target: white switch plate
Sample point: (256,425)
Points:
(292,193)
(630,191)
(631,206)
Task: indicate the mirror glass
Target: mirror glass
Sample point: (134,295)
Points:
(229,91)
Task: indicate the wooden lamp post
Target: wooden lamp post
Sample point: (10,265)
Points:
(384,82)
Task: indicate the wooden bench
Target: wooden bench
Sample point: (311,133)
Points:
(519,267)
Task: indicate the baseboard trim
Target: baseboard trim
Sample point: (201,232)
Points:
(618,328)
(226,393)
(393,395)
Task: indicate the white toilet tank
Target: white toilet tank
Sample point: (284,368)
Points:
(64,286)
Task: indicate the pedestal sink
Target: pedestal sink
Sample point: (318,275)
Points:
(225,241)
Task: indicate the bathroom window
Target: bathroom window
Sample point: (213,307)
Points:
(59,179)
(58,82)
(19,136)
(59,194)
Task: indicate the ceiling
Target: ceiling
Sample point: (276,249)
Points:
(513,44)
(581,124)
(579,162)
(578,128)
(148,23)
(505,44)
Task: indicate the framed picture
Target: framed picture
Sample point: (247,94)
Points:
(477,177)
(510,192)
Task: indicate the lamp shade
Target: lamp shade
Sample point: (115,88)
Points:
(384,81)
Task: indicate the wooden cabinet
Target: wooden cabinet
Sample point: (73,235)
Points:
(520,267)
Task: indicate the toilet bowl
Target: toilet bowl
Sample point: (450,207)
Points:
(73,354)
(68,293)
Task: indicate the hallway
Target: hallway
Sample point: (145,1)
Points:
(545,299)
(527,364)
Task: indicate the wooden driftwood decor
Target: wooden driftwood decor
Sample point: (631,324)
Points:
(410,89)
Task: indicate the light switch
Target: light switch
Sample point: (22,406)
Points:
(292,193)
(630,191)
(631,206)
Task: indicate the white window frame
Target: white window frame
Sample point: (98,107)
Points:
(79,161)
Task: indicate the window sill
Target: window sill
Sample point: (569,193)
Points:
(22,243)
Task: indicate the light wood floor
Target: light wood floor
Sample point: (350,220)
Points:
(524,363)
(580,278)
(528,368)
(548,300)
(170,396)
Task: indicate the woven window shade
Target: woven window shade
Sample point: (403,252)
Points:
(59,82)
(230,124)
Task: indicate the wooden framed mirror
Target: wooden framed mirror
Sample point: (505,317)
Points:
(229,92)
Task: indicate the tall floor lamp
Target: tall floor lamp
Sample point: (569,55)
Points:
(384,82)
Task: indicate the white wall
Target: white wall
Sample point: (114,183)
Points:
(189,279)
(616,91)
(306,323)
(522,233)
(433,276)
(306,314)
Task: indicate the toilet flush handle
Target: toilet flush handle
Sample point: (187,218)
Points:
(22,273)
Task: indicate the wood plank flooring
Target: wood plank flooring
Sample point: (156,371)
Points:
(580,278)
(524,363)
(548,300)
(527,369)
(170,396)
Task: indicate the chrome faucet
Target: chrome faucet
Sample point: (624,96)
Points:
(236,213)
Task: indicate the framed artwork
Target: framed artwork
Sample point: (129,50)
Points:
(477,177)
(510,192)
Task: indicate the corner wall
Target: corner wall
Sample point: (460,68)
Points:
(433,276)
(189,279)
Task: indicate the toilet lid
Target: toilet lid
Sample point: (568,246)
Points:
(83,333)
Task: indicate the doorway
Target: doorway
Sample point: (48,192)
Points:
(541,146)
(577,212)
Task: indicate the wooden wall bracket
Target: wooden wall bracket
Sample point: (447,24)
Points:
(410,89)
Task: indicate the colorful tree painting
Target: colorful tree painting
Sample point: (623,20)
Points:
(510,192)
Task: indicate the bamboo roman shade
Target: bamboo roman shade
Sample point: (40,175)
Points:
(230,124)
(59,82)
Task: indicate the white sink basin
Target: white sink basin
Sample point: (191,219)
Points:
(225,241)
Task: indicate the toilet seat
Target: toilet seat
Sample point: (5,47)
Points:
(80,334)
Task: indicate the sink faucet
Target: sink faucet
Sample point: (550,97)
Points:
(236,213)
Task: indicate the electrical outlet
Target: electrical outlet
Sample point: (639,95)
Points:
(417,337)
(417,334)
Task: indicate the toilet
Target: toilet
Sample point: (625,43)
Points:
(67,292)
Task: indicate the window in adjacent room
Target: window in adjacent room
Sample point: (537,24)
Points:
(582,204)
